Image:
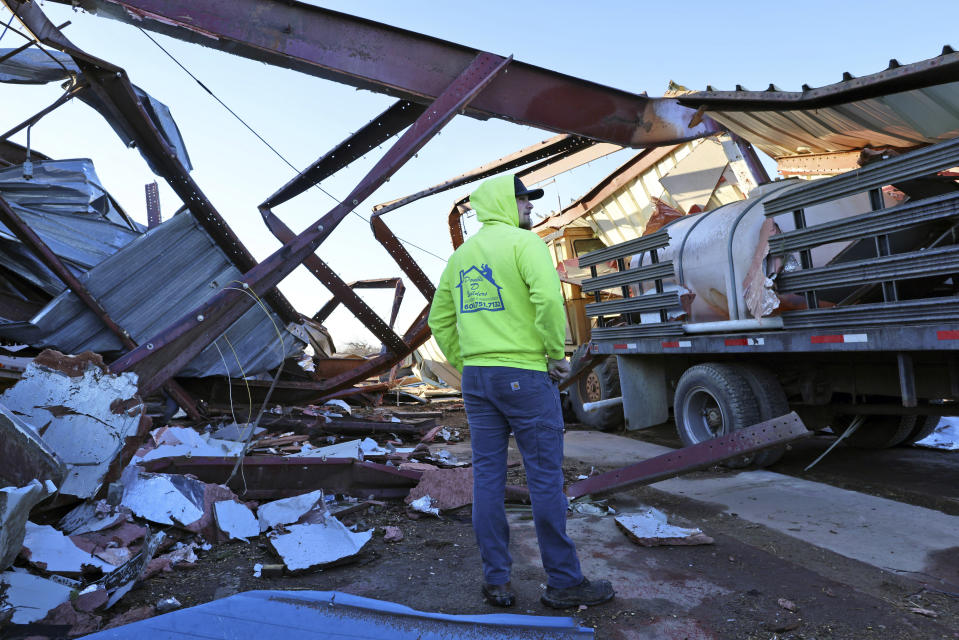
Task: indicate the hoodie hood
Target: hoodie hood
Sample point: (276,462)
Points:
(495,201)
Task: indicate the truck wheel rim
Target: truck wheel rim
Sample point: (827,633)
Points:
(703,415)
(592,389)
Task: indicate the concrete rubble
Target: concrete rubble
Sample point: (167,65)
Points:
(650,528)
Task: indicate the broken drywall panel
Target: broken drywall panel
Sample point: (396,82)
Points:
(448,488)
(650,528)
(314,545)
(83,413)
(288,510)
(15,505)
(173,499)
(32,597)
(112,544)
(24,456)
(162,498)
(170,442)
(46,548)
(236,520)
(91,516)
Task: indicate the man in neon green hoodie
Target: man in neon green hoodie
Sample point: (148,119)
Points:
(498,317)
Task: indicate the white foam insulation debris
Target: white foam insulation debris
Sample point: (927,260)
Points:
(172,442)
(32,597)
(650,528)
(15,505)
(236,520)
(424,504)
(174,499)
(46,548)
(945,436)
(316,544)
(288,510)
(83,413)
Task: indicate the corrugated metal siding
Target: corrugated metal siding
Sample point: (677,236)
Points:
(906,119)
(150,283)
(624,214)
(66,206)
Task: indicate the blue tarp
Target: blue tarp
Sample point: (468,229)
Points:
(302,615)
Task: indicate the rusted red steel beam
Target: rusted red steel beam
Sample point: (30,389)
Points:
(408,65)
(398,252)
(35,243)
(778,431)
(342,292)
(557,146)
(418,333)
(268,477)
(397,117)
(382,283)
(111,84)
(167,352)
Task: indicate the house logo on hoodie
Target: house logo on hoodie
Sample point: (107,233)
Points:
(479,291)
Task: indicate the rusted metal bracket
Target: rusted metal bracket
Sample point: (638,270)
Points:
(36,244)
(167,352)
(778,431)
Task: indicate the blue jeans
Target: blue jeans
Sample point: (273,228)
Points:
(500,399)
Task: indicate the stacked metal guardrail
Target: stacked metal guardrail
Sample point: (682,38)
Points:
(885,269)
(628,308)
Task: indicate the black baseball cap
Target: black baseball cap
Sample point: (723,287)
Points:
(521,190)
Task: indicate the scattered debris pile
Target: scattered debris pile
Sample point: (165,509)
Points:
(95,497)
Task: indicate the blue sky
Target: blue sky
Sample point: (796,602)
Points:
(636,46)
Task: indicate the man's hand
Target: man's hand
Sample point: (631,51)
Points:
(558,369)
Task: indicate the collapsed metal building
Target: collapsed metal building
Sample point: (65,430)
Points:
(57,297)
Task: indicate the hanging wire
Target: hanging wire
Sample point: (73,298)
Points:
(271,147)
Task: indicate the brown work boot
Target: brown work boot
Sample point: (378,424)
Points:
(585,593)
(499,595)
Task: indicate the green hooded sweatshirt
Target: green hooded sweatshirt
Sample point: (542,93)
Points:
(499,301)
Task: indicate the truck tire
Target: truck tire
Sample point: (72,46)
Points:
(772,403)
(713,400)
(925,425)
(599,384)
(881,432)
